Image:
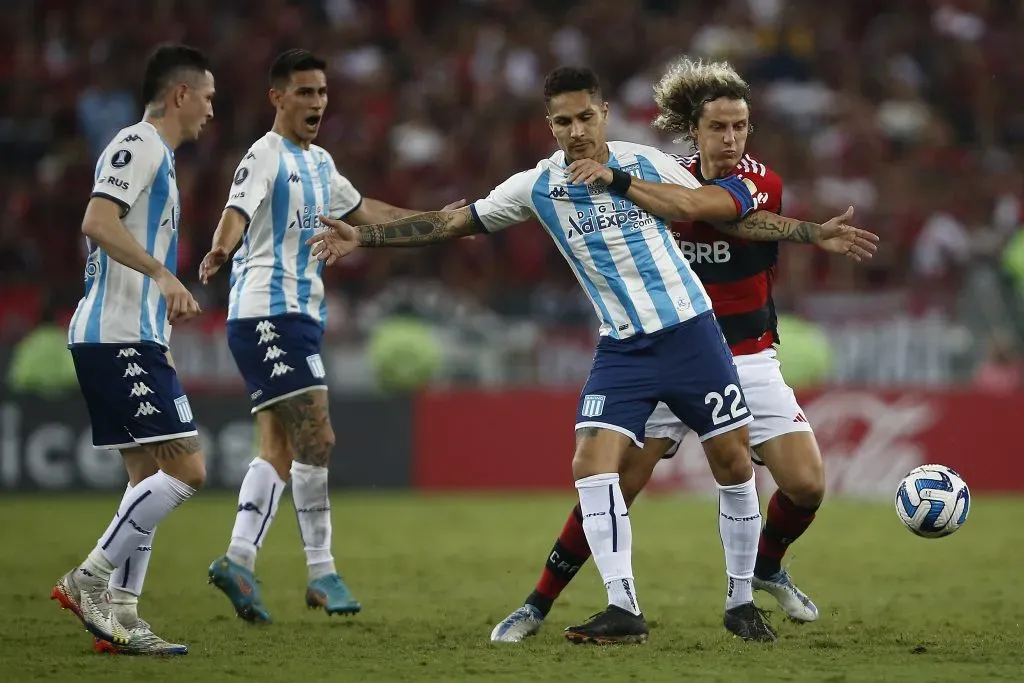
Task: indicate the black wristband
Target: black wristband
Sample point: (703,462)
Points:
(620,181)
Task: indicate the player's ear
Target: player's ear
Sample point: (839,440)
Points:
(179,92)
(274,95)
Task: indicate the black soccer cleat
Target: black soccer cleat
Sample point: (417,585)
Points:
(612,626)
(749,622)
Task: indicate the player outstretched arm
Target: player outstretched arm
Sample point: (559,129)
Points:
(417,230)
(721,203)
(375,211)
(835,235)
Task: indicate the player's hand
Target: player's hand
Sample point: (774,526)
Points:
(212,263)
(339,240)
(839,237)
(457,204)
(588,172)
(181,305)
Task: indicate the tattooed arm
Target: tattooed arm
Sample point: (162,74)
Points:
(835,235)
(762,226)
(417,230)
(376,211)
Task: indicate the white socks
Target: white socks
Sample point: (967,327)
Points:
(739,522)
(258,500)
(313,508)
(127,580)
(141,509)
(606,524)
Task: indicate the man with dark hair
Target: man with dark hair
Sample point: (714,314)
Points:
(119,341)
(659,338)
(708,103)
(276,316)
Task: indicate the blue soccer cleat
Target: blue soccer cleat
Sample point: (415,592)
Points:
(522,623)
(331,593)
(242,589)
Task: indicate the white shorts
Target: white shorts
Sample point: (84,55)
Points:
(770,400)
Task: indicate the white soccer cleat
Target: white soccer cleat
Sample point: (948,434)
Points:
(89,599)
(522,623)
(143,642)
(793,601)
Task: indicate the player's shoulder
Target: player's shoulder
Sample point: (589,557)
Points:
(621,148)
(322,156)
(134,141)
(267,148)
(751,166)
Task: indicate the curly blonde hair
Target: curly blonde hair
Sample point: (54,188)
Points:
(687,86)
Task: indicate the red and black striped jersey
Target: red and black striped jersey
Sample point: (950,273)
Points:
(737,273)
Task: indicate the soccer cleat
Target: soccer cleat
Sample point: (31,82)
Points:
(331,593)
(242,589)
(522,623)
(143,642)
(89,600)
(749,622)
(613,625)
(793,601)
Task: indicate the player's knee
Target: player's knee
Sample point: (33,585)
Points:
(280,459)
(190,471)
(729,457)
(807,489)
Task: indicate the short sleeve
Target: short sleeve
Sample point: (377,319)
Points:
(126,167)
(345,198)
(508,204)
(251,183)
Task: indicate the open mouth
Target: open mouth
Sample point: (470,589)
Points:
(313,120)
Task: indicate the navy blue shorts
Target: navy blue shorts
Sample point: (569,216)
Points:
(278,356)
(688,366)
(132,393)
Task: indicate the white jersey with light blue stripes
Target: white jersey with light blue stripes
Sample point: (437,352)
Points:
(624,258)
(121,305)
(281,188)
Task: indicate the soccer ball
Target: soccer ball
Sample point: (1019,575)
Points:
(933,501)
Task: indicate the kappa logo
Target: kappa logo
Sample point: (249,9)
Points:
(134,370)
(267,332)
(558,193)
(146,409)
(294,178)
(140,389)
(593,405)
(280,369)
(128,353)
(131,137)
(273,353)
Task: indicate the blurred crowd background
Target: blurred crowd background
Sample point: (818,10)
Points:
(910,110)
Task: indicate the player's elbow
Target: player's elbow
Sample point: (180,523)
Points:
(92,228)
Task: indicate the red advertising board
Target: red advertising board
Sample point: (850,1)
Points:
(523,440)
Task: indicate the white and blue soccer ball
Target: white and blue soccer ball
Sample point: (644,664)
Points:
(933,501)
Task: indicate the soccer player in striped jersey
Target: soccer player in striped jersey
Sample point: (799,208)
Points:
(276,316)
(659,338)
(119,341)
(708,103)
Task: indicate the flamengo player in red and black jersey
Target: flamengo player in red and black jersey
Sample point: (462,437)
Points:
(708,103)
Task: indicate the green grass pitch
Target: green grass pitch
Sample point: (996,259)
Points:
(436,573)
